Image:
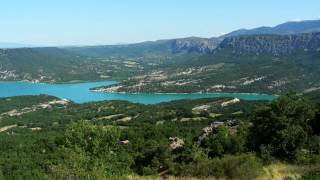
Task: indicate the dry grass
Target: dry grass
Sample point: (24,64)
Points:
(278,171)
(135,177)
(167,178)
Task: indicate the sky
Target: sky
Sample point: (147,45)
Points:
(97,22)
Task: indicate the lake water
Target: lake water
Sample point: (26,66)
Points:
(79,93)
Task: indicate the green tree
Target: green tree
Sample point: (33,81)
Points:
(282,125)
(90,138)
(91,151)
(227,141)
(218,142)
(315,123)
(184,112)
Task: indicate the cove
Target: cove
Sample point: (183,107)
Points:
(79,93)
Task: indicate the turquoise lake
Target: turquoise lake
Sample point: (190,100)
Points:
(79,93)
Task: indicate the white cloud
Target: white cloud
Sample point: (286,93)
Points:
(296,20)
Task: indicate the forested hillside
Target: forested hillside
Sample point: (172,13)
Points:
(58,65)
(46,138)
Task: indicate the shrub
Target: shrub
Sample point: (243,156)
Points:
(314,175)
(245,166)
(265,153)
(90,151)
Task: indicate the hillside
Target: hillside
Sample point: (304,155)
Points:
(255,63)
(57,65)
(67,64)
(274,45)
(43,137)
(38,64)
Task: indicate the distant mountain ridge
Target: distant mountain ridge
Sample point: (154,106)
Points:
(9,45)
(208,45)
(281,39)
(189,44)
(293,27)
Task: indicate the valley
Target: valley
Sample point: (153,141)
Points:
(244,105)
(264,63)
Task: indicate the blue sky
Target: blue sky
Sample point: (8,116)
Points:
(91,22)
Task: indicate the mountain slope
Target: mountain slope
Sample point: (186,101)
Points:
(256,63)
(151,48)
(272,44)
(43,64)
(54,65)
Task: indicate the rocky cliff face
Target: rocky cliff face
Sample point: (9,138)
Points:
(272,44)
(194,44)
(258,44)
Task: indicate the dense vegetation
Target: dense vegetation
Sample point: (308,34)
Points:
(187,138)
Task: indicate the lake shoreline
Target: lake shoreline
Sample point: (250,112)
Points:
(81,93)
(183,93)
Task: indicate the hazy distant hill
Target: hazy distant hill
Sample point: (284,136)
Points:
(13,45)
(162,47)
(285,28)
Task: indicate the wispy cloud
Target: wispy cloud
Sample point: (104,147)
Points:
(296,20)
(221,33)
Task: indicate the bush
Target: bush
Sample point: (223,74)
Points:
(265,153)
(90,151)
(222,141)
(245,166)
(315,144)
(314,175)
